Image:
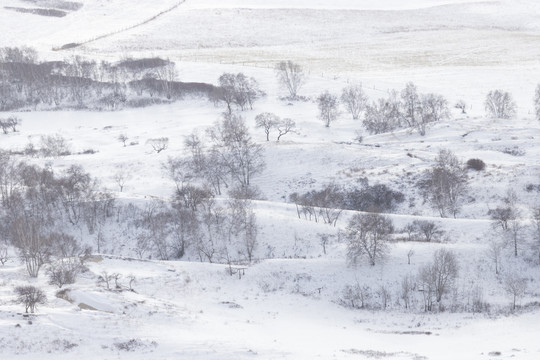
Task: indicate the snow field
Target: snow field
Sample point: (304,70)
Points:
(286,306)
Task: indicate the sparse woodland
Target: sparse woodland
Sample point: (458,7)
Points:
(56,219)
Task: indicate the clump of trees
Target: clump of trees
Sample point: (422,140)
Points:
(36,201)
(75,82)
(227,158)
(499,104)
(407,109)
(238,90)
(328,203)
(270,122)
(215,231)
(423,230)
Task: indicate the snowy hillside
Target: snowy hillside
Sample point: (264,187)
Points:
(148,287)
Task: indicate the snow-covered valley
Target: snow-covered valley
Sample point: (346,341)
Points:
(296,294)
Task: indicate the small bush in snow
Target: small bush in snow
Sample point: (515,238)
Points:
(515,151)
(476,164)
(54,145)
(130,345)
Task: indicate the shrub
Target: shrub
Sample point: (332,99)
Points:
(54,145)
(515,151)
(476,164)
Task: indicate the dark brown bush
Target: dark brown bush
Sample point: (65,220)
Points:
(476,164)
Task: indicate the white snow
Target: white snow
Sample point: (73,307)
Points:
(287,305)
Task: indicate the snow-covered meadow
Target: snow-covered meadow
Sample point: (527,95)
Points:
(287,305)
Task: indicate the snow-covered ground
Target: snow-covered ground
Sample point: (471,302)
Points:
(287,305)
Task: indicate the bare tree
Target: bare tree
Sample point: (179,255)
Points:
(266,121)
(123,138)
(354,99)
(4,255)
(499,104)
(367,236)
(32,245)
(515,286)
(507,218)
(30,296)
(462,106)
(284,127)
(64,272)
(121,176)
(410,254)
(429,229)
(535,231)
(432,108)
(242,227)
(501,216)
(167,75)
(106,278)
(328,107)
(159,144)
(10,123)
(11,181)
(411,230)
(437,278)
(324,240)
(445,184)
(493,252)
(446,268)
(356,296)
(236,150)
(537,102)
(155,221)
(426,285)
(246,91)
(407,286)
(226,90)
(291,76)
(411,104)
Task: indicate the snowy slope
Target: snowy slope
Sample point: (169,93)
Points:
(286,306)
